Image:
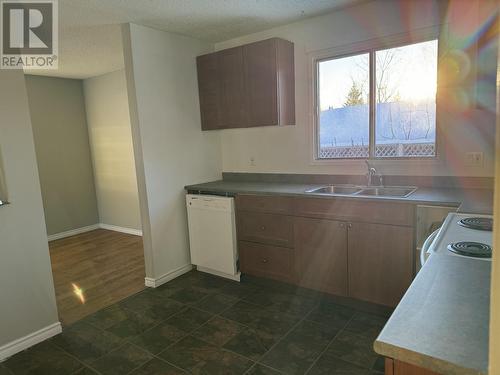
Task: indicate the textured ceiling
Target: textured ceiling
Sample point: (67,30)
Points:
(89,31)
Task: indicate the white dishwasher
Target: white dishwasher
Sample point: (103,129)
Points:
(212,235)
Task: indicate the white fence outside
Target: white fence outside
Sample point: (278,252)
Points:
(394,150)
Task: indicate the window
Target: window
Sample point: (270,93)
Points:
(378,104)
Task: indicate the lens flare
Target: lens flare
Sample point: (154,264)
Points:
(78,292)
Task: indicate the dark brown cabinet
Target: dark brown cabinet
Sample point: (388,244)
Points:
(247,86)
(208,86)
(231,110)
(356,248)
(380,262)
(321,247)
(267,261)
(262,203)
(266,228)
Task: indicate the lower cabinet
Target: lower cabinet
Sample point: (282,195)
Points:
(321,253)
(395,367)
(380,262)
(267,261)
(350,257)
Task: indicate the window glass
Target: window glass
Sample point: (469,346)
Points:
(406,79)
(343,107)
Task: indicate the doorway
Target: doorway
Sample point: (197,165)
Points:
(83,144)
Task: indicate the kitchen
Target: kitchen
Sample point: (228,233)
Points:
(340,217)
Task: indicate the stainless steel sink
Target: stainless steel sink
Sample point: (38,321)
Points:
(373,191)
(336,189)
(388,191)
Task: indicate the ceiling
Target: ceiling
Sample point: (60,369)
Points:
(90,35)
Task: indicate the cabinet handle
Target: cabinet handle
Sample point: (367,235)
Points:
(342,225)
(263,227)
(264,260)
(349,226)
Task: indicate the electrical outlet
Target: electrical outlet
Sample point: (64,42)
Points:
(252,161)
(474,159)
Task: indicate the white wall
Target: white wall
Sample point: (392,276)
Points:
(171,151)
(288,149)
(62,148)
(26,289)
(108,120)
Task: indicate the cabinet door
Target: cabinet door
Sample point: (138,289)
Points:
(321,247)
(395,367)
(261,82)
(208,87)
(232,106)
(380,262)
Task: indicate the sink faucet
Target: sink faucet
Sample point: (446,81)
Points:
(372,172)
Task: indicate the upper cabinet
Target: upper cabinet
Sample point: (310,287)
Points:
(231,83)
(248,86)
(208,86)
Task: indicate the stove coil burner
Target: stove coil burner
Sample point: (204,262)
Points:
(471,249)
(479,223)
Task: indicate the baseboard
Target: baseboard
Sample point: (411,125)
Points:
(135,232)
(155,283)
(73,232)
(23,343)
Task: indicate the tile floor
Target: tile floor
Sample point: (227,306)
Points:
(201,324)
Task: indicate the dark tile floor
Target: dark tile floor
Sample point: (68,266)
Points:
(201,324)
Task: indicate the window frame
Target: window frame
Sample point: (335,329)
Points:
(370,47)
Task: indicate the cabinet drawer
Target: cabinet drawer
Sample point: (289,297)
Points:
(265,228)
(264,203)
(385,212)
(267,261)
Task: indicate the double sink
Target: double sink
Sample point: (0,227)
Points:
(371,191)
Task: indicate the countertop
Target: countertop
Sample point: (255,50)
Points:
(442,322)
(467,200)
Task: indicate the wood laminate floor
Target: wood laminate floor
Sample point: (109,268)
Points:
(108,267)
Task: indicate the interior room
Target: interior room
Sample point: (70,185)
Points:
(249,187)
(83,144)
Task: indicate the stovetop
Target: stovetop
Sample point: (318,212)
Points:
(471,249)
(458,240)
(478,223)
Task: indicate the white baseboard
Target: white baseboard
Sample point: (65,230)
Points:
(155,283)
(135,232)
(236,277)
(72,232)
(88,228)
(23,343)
